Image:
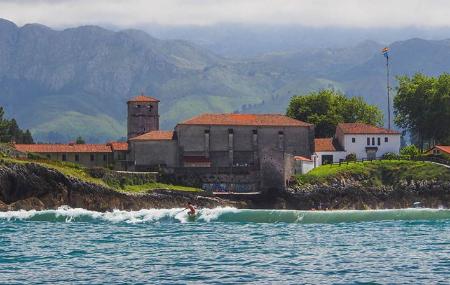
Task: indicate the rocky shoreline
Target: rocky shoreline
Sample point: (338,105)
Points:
(32,186)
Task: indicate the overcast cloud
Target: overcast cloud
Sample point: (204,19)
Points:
(130,13)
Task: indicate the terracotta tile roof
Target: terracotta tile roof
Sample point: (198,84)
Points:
(142,98)
(63,148)
(154,136)
(443,148)
(194,159)
(361,128)
(119,146)
(302,158)
(326,144)
(267,120)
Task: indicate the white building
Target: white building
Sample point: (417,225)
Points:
(363,140)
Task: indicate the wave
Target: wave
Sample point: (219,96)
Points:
(226,214)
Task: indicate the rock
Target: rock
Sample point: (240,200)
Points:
(32,186)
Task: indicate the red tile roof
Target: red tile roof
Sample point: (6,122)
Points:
(154,136)
(326,144)
(443,148)
(267,120)
(119,146)
(302,158)
(361,128)
(63,148)
(142,98)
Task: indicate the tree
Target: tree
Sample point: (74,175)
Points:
(422,105)
(10,131)
(80,140)
(326,108)
(410,150)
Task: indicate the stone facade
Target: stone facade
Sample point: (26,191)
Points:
(143,116)
(234,151)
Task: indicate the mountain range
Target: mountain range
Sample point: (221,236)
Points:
(64,83)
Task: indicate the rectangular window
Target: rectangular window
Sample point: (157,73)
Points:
(104,157)
(386,139)
(368,141)
(353,140)
(92,157)
(379,141)
(48,156)
(373,141)
(77,157)
(64,157)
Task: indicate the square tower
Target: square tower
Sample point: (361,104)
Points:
(143,115)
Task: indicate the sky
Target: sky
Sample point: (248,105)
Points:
(315,13)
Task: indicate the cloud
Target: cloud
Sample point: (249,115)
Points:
(318,13)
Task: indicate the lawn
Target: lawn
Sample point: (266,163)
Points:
(378,172)
(81,173)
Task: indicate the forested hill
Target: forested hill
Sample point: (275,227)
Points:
(62,84)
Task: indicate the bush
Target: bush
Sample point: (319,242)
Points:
(390,156)
(97,172)
(411,150)
(350,157)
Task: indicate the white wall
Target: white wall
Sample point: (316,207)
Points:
(359,146)
(337,155)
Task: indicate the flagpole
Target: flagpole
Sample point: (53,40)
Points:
(385,52)
(388,92)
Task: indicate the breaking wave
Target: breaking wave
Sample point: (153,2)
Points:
(226,214)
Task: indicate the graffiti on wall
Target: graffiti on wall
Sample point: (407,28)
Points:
(229,187)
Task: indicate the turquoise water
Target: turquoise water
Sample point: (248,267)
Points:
(225,246)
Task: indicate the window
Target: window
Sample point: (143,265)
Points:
(48,156)
(64,157)
(104,157)
(368,141)
(353,140)
(230,131)
(379,141)
(92,157)
(373,141)
(77,157)
(386,139)
(255,132)
(327,159)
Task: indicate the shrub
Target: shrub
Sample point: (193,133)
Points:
(350,157)
(411,150)
(97,172)
(390,155)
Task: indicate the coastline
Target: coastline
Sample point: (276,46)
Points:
(30,186)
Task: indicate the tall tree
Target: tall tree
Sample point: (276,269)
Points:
(80,140)
(326,108)
(422,105)
(10,131)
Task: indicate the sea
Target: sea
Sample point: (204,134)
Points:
(225,246)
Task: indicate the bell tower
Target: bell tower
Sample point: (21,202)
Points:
(143,115)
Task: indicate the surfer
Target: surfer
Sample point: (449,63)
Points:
(191,209)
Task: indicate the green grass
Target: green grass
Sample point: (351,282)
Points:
(378,172)
(81,173)
(156,185)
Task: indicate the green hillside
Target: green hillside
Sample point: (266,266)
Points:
(61,84)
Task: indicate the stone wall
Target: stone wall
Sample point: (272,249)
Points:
(143,117)
(154,153)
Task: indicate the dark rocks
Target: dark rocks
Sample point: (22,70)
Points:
(355,193)
(31,186)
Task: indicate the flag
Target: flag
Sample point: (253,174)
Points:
(385,52)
